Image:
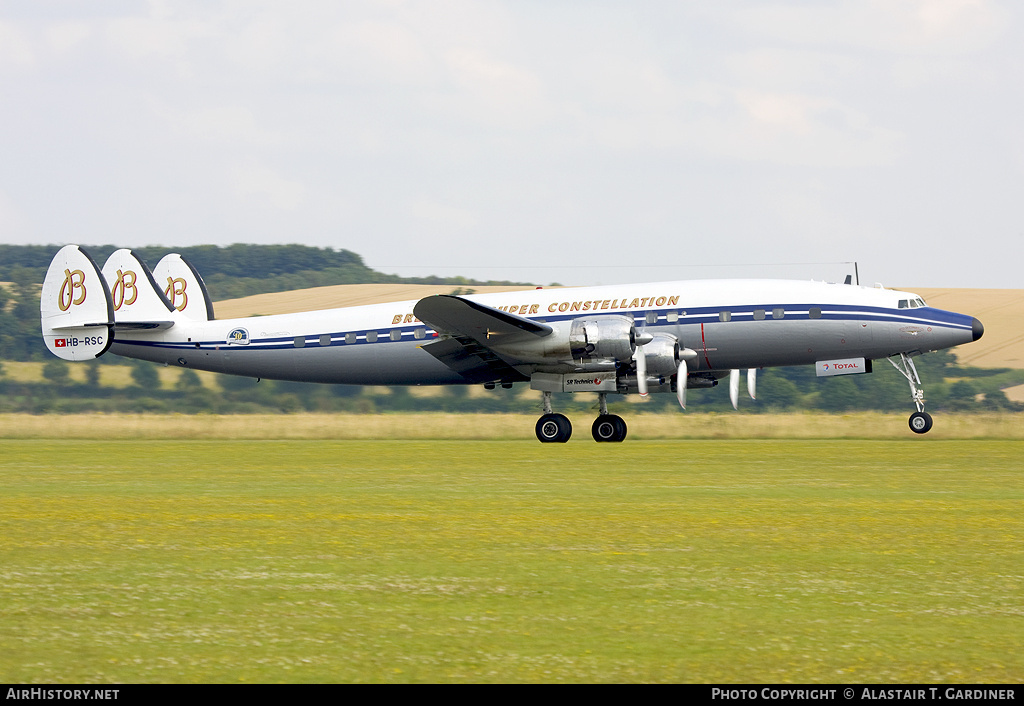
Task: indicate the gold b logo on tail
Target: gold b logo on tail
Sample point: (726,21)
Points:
(125,282)
(176,288)
(73,279)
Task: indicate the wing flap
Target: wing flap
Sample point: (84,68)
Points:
(471,329)
(472,361)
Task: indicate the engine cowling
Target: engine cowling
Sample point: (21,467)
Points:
(603,338)
(592,343)
(663,355)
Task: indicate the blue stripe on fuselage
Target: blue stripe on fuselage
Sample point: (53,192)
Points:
(926,316)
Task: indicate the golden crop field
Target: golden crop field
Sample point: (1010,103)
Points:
(335,296)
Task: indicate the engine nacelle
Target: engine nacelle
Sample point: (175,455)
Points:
(663,355)
(603,338)
(593,343)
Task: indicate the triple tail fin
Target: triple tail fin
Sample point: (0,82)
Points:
(185,288)
(75,309)
(137,301)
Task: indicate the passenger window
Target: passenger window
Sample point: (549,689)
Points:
(420,333)
(725,316)
(371,336)
(758,314)
(778,313)
(396,335)
(814,313)
(350,337)
(300,341)
(672,317)
(325,339)
(652,317)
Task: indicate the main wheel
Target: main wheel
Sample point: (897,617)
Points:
(920,422)
(609,427)
(554,428)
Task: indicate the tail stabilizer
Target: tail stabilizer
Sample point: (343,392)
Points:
(137,300)
(75,310)
(184,289)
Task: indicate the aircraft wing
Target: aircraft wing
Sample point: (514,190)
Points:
(471,328)
(448,313)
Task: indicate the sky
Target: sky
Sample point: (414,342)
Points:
(581,143)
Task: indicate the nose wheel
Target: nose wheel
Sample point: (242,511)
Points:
(920,421)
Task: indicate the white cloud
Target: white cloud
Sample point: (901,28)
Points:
(268,186)
(220,125)
(439,214)
(13,222)
(913,26)
(65,37)
(15,46)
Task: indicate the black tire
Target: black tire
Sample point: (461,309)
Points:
(553,429)
(920,422)
(609,427)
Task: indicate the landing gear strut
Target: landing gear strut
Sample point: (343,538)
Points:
(920,421)
(551,427)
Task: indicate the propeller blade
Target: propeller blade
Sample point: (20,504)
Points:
(681,384)
(752,383)
(734,388)
(641,370)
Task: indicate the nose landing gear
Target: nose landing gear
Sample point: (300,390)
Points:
(920,421)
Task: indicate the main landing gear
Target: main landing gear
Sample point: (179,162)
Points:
(556,428)
(920,421)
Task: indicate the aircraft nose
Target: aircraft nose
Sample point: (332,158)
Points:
(977,329)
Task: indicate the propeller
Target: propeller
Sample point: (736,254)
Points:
(640,339)
(734,388)
(641,370)
(681,384)
(752,383)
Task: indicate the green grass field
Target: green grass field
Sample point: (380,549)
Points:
(507,561)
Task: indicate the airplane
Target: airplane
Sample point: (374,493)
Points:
(663,337)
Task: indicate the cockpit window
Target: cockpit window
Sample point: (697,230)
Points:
(920,302)
(904,304)
(913,304)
